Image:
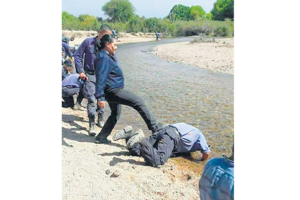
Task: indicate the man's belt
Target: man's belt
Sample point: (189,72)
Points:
(90,72)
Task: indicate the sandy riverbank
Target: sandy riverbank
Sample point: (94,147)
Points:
(216,56)
(84,166)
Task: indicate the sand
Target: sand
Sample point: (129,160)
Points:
(217,56)
(84,167)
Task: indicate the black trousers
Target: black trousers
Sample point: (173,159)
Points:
(118,97)
(158,148)
(67,95)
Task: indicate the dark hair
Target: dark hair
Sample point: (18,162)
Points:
(100,44)
(105,27)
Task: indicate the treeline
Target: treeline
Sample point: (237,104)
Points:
(181,21)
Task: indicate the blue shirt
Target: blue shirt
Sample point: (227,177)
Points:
(108,74)
(191,139)
(72,80)
(67,49)
(86,49)
(217,181)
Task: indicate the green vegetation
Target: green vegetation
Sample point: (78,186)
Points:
(181,21)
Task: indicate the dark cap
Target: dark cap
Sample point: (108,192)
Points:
(68,62)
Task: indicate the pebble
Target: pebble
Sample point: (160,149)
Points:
(107,171)
(116,174)
(133,166)
(189,177)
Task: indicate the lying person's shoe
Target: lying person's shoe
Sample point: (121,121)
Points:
(124,133)
(102,141)
(139,135)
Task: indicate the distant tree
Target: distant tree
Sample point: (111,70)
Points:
(136,24)
(179,12)
(69,21)
(197,12)
(223,9)
(152,24)
(119,10)
(209,16)
(100,19)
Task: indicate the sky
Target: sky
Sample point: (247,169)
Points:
(147,8)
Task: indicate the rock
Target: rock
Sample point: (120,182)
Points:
(107,172)
(116,174)
(172,167)
(189,177)
(133,166)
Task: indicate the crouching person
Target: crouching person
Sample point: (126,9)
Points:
(72,85)
(158,148)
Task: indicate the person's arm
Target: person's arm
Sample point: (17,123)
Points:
(79,56)
(102,71)
(69,53)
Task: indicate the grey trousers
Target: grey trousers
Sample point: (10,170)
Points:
(89,90)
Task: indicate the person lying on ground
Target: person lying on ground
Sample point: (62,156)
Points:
(171,139)
(217,181)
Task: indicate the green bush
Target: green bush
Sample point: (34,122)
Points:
(164,26)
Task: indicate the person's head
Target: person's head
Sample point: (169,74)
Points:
(104,29)
(199,156)
(68,65)
(107,42)
(72,38)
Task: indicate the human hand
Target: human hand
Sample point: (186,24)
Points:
(83,76)
(101,104)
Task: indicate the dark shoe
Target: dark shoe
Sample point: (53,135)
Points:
(92,130)
(158,127)
(102,141)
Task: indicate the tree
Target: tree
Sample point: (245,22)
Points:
(179,12)
(223,9)
(197,12)
(119,10)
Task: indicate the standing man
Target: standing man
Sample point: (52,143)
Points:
(86,72)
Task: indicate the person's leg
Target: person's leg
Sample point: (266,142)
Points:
(126,97)
(160,155)
(89,93)
(69,102)
(100,112)
(78,102)
(80,97)
(109,124)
